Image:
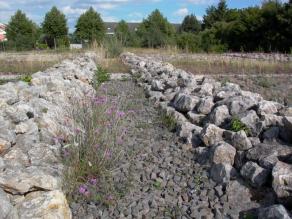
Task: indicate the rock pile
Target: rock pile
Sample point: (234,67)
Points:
(277,57)
(245,140)
(34,119)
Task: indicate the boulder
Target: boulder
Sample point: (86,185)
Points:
(271,134)
(184,103)
(282,182)
(206,89)
(268,107)
(205,105)
(240,104)
(252,122)
(219,115)
(185,131)
(222,173)
(211,134)
(7,210)
(223,153)
(240,141)
(255,174)
(286,131)
(273,212)
(157,85)
(196,118)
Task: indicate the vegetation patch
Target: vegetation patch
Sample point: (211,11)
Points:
(169,122)
(237,125)
(101,76)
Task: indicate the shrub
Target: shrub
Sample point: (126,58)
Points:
(113,47)
(169,122)
(237,125)
(101,76)
(95,149)
(27,78)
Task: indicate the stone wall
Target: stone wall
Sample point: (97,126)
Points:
(34,120)
(207,113)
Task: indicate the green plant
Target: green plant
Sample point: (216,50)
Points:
(157,184)
(264,82)
(27,78)
(169,122)
(113,47)
(237,125)
(101,76)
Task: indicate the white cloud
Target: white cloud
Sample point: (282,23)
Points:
(68,10)
(182,12)
(4,5)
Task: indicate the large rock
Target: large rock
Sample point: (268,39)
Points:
(222,172)
(211,134)
(286,131)
(251,120)
(268,107)
(256,175)
(240,104)
(7,210)
(223,153)
(219,115)
(52,204)
(282,182)
(205,105)
(240,141)
(186,130)
(273,212)
(157,85)
(184,103)
(196,118)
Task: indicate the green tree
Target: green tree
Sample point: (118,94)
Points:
(90,26)
(22,33)
(215,14)
(123,33)
(55,28)
(156,31)
(189,42)
(190,24)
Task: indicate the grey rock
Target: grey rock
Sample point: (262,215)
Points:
(207,89)
(252,122)
(219,115)
(271,134)
(268,107)
(282,182)
(240,141)
(7,210)
(205,105)
(223,153)
(240,104)
(273,212)
(184,103)
(157,85)
(211,134)
(222,172)
(195,118)
(256,175)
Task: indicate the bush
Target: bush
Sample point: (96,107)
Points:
(95,149)
(169,122)
(27,78)
(113,47)
(189,42)
(101,75)
(237,125)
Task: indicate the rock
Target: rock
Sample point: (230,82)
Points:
(282,182)
(240,159)
(271,134)
(157,85)
(219,115)
(4,145)
(240,141)
(211,134)
(268,107)
(185,131)
(252,122)
(240,104)
(224,95)
(7,210)
(195,118)
(52,204)
(184,103)
(256,175)
(272,120)
(205,105)
(223,153)
(222,172)
(273,212)
(206,89)
(287,129)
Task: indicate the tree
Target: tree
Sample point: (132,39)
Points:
(156,31)
(123,33)
(90,26)
(190,24)
(215,14)
(22,33)
(55,28)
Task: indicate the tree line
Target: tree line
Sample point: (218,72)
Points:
(266,28)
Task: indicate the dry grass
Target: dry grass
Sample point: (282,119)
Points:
(114,65)
(231,66)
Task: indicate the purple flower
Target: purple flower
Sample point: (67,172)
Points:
(121,114)
(83,189)
(93,181)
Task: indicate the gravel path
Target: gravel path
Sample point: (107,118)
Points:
(162,179)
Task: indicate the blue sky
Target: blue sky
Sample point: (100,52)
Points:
(114,10)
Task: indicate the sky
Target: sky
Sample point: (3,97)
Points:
(114,10)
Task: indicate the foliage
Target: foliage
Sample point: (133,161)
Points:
(155,31)
(169,122)
(237,125)
(27,78)
(55,28)
(123,33)
(90,27)
(190,24)
(101,76)
(95,149)
(113,47)
(189,42)
(22,33)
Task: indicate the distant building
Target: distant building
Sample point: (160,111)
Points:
(2,32)
(111,26)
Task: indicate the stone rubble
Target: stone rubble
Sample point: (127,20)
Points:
(35,119)
(257,160)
